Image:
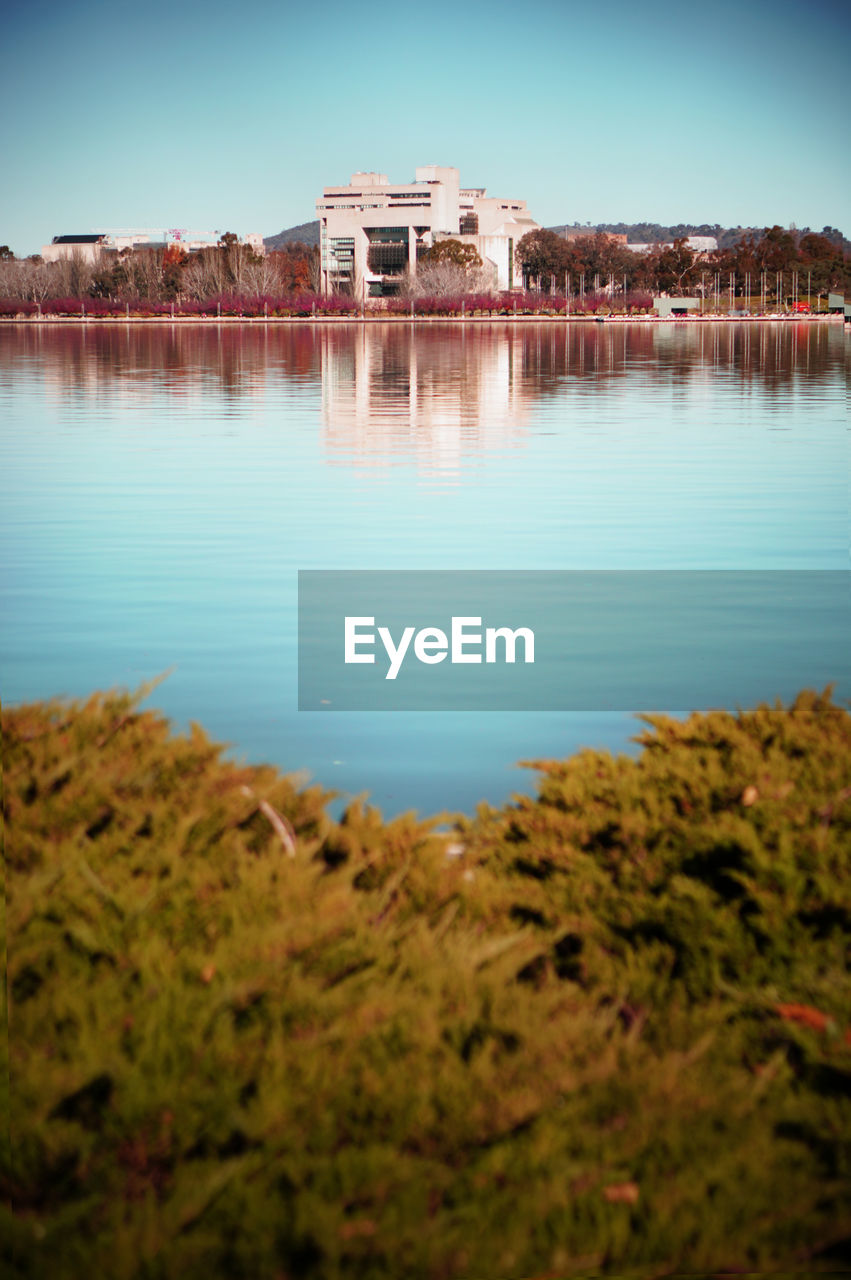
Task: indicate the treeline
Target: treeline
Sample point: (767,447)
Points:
(160,275)
(636,233)
(587,273)
(657,232)
(777,259)
(308,303)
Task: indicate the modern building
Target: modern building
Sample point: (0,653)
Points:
(373,231)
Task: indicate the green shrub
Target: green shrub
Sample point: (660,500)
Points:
(609,1037)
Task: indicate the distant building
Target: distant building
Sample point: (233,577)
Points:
(88,246)
(372,231)
(92,244)
(666,306)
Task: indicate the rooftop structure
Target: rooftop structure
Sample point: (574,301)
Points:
(373,231)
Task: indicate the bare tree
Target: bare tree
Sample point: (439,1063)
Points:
(262,275)
(12,278)
(447,279)
(74,275)
(39,280)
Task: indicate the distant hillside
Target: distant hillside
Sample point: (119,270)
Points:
(636,232)
(653,232)
(306,232)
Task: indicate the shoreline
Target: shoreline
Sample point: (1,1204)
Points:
(507,318)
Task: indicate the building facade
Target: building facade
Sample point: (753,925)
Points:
(372,232)
(87,246)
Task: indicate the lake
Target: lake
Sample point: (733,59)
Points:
(162,485)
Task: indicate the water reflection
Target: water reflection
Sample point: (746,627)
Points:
(415,379)
(163,484)
(433,395)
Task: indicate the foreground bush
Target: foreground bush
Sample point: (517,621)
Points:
(600,1031)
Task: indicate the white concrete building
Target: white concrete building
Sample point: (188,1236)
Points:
(86,246)
(372,231)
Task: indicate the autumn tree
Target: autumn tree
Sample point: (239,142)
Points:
(542,254)
(777,250)
(175,259)
(292,267)
(673,267)
(824,262)
(453,253)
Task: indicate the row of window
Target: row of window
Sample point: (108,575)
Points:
(351,196)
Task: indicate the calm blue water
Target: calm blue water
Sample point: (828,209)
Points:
(162,486)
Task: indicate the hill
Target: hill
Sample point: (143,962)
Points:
(305,233)
(656,232)
(636,232)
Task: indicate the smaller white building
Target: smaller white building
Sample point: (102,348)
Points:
(88,246)
(91,244)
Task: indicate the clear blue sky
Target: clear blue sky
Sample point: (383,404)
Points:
(234,117)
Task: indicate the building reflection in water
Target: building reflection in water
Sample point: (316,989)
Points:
(435,396)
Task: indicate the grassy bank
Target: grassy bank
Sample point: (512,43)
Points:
(605,1030)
